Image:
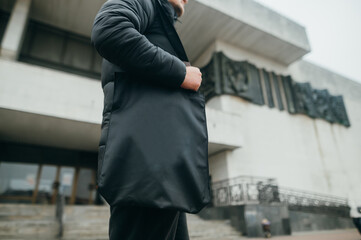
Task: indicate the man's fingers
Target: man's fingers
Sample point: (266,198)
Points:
(193,78)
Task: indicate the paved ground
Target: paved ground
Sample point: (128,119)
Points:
(351,234)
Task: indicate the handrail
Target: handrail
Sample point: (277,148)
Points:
(306,198)
(247,189)
(251,179)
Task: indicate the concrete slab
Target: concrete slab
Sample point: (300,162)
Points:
(350,234)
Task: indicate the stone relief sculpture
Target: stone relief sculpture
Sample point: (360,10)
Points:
(235,76)
(304,99)
(223,75)
(322,100)
(339,111)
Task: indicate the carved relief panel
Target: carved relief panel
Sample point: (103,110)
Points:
(243,79)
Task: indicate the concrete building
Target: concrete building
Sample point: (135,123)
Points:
(270,114)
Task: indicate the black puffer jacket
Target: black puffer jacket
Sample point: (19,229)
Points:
(153,149)
(119,34)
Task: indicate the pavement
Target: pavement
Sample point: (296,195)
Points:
(350,234)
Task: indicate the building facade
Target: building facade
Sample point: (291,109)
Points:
(270,114)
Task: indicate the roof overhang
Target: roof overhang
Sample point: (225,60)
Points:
(72,15)
(245,24)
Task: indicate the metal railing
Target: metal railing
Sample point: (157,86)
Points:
(246,189)
(314,202)
(304,198)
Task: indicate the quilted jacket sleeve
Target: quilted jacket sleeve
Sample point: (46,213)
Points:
(117,35)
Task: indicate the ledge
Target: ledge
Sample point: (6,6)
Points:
(44,91)
(48,107)
(245,24)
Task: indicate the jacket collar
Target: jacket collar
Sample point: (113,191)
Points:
(170,12)
(166,11)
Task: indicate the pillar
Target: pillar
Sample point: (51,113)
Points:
(15,30)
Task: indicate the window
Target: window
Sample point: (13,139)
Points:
(17,181)
(55,48)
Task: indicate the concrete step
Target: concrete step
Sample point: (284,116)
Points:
(26,221)
(200,229)
(87,222)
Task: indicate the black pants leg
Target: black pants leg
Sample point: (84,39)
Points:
(357,222)
(142,223)
(182,229)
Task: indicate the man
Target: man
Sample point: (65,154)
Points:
(153,163)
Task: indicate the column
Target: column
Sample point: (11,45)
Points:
(15,30)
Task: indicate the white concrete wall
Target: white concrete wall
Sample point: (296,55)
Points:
(298,151)
(42,106)
(218,166)
(48,107)
(340,146)
(40,90)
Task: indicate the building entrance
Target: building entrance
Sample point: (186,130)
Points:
(41,183)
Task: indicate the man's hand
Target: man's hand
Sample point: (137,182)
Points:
(193,79)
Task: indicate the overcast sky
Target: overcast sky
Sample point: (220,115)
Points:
(333,28)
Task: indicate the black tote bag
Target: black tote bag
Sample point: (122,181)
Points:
(156,151)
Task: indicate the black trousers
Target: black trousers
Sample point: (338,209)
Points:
(357,222)
(143,223)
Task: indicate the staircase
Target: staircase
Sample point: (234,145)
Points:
(86,222)
(27,221)
(200,229)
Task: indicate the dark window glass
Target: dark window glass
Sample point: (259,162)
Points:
(46,45)
(85,193)
(55,48)
(17,181)
(46,181)
(78,53)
